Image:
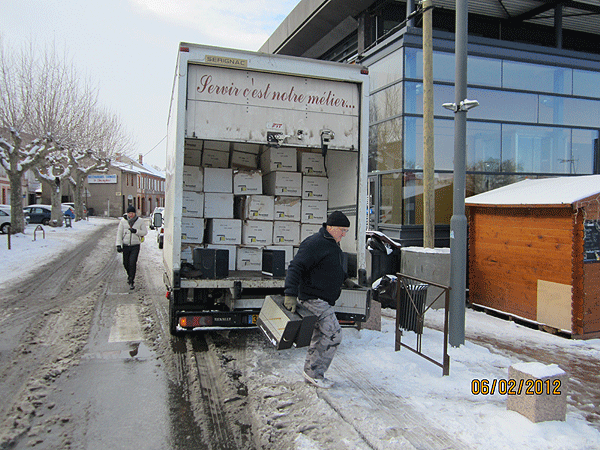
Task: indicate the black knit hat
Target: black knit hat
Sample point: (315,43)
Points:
(131,208)
(337,219)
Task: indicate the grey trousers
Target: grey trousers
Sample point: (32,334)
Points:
(325,340)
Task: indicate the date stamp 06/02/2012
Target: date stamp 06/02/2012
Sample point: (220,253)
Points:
(515,387)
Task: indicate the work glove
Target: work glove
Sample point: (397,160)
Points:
(290,302)
(119,249)
(133,230)
(349,284)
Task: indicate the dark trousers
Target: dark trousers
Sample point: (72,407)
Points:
(130,256)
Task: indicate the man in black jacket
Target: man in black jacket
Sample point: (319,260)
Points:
(315,277)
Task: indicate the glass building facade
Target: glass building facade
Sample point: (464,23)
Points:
(539,116)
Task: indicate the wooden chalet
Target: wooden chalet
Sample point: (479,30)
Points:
(534,252)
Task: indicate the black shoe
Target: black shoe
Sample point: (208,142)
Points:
(131,286)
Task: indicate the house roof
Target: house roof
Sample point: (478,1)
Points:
(545,191)
(133,166)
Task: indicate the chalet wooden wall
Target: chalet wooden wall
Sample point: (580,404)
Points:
(586,314)
(511,248)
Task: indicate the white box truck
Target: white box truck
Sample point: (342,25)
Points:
(230,101)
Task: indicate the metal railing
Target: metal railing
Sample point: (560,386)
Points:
(411,306)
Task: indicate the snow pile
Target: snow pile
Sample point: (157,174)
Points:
(38,245)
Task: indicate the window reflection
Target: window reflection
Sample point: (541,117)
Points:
(536,77)
(386,103)
(503,105)
(536,149)
(443,143)
(404,205)
(484,71)
(583,143)
(385,146)
(390,201)
(569,111)
(385,71)
(483,146)
(479,183)
(586,83)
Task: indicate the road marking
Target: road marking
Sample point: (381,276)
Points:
(126,326)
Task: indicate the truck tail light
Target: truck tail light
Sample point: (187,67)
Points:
(195,321)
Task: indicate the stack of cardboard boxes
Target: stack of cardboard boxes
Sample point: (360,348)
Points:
(247,198)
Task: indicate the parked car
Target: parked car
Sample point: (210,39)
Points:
(68,210)
(158,209)
(40,213)
(4,218)
(160,238)
(72,205)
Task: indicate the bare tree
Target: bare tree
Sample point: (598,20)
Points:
(103,137)
(63,113)
(19,91)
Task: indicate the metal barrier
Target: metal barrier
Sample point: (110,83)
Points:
(39,227)
(9,233)
(411,306)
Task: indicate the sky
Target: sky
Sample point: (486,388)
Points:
(129,47)
(388,397)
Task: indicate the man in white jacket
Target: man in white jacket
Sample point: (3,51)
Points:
(129,237)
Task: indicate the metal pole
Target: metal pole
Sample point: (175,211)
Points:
(428,153)
(458,223)
(410,7)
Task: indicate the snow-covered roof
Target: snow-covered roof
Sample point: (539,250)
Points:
(136,167)
(545,191)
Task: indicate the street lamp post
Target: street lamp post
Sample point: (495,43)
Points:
(458,222)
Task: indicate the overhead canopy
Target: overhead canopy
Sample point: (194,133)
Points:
(314,23)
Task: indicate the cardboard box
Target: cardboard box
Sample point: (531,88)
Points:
(231,250)
(284,328)
(193,178)
(215,158)
(246,148)
(287,208)
(244,160)
(257,232)
(218,205)
(221,146)
(224,231)
(253,207)
(249,258)
(192,204)
(288,249)
(283,183)
(278,159)
(192,157)
(195,144)
(212,263)
(218,180)
(308,229)
(247,182)
(315,188)
(353,304)
(192,230)
(310,163)
(286,233)
(314,211)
